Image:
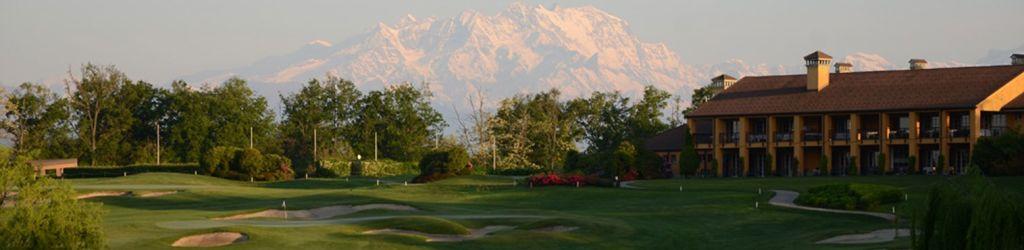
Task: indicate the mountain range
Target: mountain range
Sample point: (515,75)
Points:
(521,49)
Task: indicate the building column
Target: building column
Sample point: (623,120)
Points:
(719,154)
(883,142)
(975,127)
(771,145)
(826,145)
(798,149)
(743,146)
(855,141)
(944,139)
(915,125)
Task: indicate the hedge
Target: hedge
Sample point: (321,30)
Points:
(850,196)
(112,171)
(380,168)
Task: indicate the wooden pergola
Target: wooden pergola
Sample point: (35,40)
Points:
(58,165)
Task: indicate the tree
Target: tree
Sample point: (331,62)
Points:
(35,120)
(90,103)
(401,121)
(188,123)
(44,213)
(689,161)
(604,120)
(477,136)
(701,96)
(1000,155)
(327,107)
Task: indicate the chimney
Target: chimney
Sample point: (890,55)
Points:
(916,64)
(817,70)
(722,82)
(1017,59)
(844,67)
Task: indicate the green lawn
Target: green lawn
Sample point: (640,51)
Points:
(707,213)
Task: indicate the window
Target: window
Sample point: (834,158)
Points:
(998,120)
(904,122)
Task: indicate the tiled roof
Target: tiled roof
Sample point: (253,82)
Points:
(861,91)
(670,140)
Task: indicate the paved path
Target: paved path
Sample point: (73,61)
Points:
(628,184)
(784,198)
(877,236)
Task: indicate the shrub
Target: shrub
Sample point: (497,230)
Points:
(243,164)
(850,196)
(452,161)
(554,179)
(45,213)
(1000,155)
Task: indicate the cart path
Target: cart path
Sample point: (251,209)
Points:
(785,198)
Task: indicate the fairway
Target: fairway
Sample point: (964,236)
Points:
(707,213)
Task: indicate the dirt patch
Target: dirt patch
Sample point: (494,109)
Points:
(317,213)
(555,229)
(473,234)
(211,239)
(102,194)
(155,194)
(877,236)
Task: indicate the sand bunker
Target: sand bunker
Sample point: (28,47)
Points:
(317,213)
(473,234)
(211,239)
(555,229)
(102,194)
(155,194)
(877,236)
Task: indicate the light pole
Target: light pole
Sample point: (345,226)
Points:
(157,124)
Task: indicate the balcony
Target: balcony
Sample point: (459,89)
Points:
(729,138)
(899,135)
(757,140)
(929,135)
(704,140)
(811,138)
(784,138)
(993,131)
(868,136)
(840,138)
(959,135)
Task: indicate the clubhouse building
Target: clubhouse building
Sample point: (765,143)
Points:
(841,122)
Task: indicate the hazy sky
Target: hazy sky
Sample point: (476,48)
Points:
(157,40)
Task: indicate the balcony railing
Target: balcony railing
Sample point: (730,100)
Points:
(703,138)
(868,134)
(993,131)
(841,136)
(960,132)
(783,136)
(899,134)
(729,137)
(930,133)
(811,136)
(759,137)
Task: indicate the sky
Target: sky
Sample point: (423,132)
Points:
(160,40)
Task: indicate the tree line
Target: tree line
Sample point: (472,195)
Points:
(102,117)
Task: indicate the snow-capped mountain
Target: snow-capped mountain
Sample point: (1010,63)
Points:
(521,49)
(576,50)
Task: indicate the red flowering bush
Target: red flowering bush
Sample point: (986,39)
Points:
(554,179)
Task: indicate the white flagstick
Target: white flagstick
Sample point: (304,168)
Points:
(285,207)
